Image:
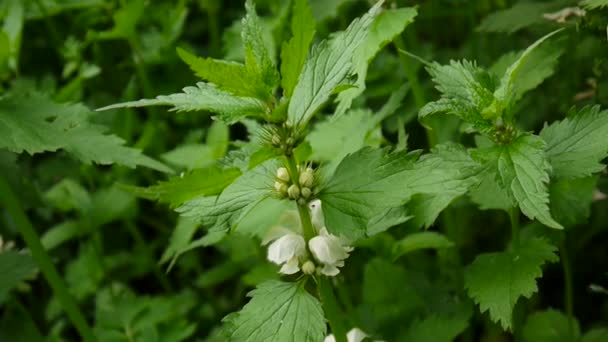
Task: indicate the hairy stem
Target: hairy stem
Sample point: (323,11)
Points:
(307,227)
(568,297)
(67,302)
(332,309)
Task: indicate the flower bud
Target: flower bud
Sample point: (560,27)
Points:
(276,140)
(306,192)
(293,191)
(283,174)
(280,187)
(308,267)
(307,178)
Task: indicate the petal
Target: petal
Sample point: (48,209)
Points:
(327,249)
(330,338)
(330,270)
(291,266)
(285,248)
(355,335)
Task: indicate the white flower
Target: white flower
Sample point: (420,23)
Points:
(354,335)
(316,214)
(286,251)
(329,250)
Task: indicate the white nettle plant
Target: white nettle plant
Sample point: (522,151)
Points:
(288,247)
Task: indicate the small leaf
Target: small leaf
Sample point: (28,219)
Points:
(295,51)
(571,199)
(496,281)
(519,16)
(549,326)
(203,97)
(326,67)
(577,145)
(422,240)
(436,329)
(278,311)
(15,267)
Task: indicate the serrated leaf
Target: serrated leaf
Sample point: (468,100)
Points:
(32,123)
(243,194)
(507,93)
(488,194)
(466,90)
(421,240)
(522,171)
(386,26)
(549,326)
(203,97)
(571,199)
(295,51)
(354,195)
(594,4)
(436,329)
(258,61)
(180,238)
(209,181)
(278,311)
(498,292)
(326,67)
(229,76)
(15,267)
(577,144)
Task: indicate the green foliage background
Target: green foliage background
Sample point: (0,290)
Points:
(124,200)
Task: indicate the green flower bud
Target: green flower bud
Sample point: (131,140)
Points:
(308,267)
(282,174)
(293,191)
(306,192)
(307,178)
(280,187)
(276,140)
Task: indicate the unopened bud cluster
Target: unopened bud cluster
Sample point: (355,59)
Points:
(301,190)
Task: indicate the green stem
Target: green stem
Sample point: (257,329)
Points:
(11,203)
(332,309)
(563,251)
(307,227)
(514,218)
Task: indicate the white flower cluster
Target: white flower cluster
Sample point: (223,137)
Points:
(288,248)
(354,335)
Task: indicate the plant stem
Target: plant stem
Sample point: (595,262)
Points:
(331,308)
(514,218)
(11,203)
(563,251)
(307,227)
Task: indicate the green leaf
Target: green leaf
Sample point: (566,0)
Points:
(258,59)
(594,4)
(68,195)
(241,196)
(509,89)
(577,144)
(326,67)
(436,329)
(488,194)
(15,267)
(34,124)
(571,199)
(466,90)
(195,156)
(180,238)
(519,16)
(549,326)
(12,28)
(295,51)
(422,240)
(596,335)
(209,181)
(278,311)
(229,76)
(499,291)
(386,26)
(522,171)
(205,97)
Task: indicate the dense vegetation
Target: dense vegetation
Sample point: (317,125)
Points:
(303,170)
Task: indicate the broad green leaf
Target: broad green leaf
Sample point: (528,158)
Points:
(354,195)
(594,4)
(540,64)
(596,335)
(209,181)
(15,267)
(496,281)
(32,123)
(68,195)
(577,144)
(436,329)
(266,214)
(229,76)
(522,171)
(387,219)
(195,156)
(242,195)
(549,326)
(278,311)
(61,233)
(326,9)
(506,93)
(258,60)
(180,238)
(571,199)
(295,51)
(422,240)
(386,26)
(205,97)
(466,90)
(327,66)
(488,194)
(519,16)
